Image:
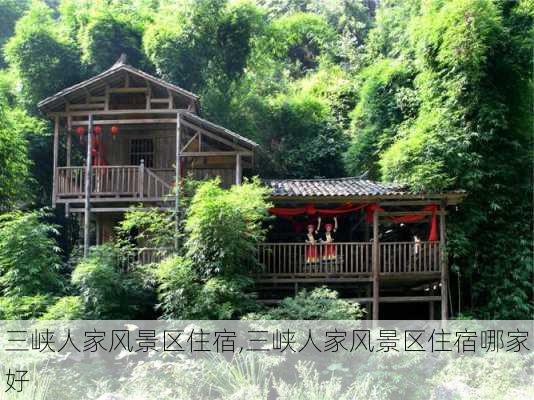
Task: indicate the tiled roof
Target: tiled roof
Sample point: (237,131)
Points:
(338,187)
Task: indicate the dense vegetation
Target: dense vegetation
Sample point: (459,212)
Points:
(437,94)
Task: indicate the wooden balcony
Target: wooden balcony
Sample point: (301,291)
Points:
(128,183)
(347,261)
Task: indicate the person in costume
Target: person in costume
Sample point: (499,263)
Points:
(311,244)
(329,251)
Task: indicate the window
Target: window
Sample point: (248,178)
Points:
(142,149)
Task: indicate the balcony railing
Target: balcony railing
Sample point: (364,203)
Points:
(347,259)
(136,182)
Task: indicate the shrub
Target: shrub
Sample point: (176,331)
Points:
(224,227)
(24,307)
(108,293)
(320,303)
(29,255)
(65,308)
(183,294)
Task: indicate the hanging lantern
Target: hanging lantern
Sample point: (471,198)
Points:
(97,130)
(114,131)
(80,131)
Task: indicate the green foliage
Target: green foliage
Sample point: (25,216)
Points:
(106,291)
(224,226)
(183,294)
(204,42)
(320,303)
(65,308)
(44,60)
(147,228)
(471,132)
(14,162)
(106,37)
(29,256)
(299,41)
(386,99)
(10,12)
(305,139)
(24,307)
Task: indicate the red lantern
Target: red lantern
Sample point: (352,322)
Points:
(114,130)
(97,130)
(80,131)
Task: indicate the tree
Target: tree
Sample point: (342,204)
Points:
(44,60)
(29,259)
(10,12)
(15,164)
(106,37)
(471,133)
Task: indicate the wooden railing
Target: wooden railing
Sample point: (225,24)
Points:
(112,181)
(409,257)
(144,256)
(301,259)
(346,259)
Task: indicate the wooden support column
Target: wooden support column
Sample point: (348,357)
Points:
(56,150)
(238,169)
(444,268)
(69,141)
(87,208)
(178,176)
(376,267)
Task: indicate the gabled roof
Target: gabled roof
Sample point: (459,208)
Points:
(220,130)
(97,80)
(344,187)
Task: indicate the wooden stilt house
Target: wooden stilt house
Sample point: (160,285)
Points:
(125,137)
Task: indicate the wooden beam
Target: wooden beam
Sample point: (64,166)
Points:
(401,213)
(55,161)
(444,269)
(178,178)
(129,90)
(69,141)
(114,112)
(214,136)
(376,267)
(87,211)
(215,153)
(238,169)
(196,135)
(128,121)
(117,209)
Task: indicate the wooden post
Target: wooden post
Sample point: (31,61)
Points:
(444,268)
(142,179)
(238,169)
(376,267)
(430,310)
(178,177)
(56,150)
(69,141)
(88,168)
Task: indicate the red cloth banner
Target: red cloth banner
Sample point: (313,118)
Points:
(433,233)
(310,209)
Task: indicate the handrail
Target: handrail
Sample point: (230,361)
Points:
(347,258)
(130,181)
(302,259)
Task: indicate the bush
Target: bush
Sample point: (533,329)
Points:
(29,255)
(65,308)
(183,294)
(108,293)
(24,307)
(320,303)
(224,228)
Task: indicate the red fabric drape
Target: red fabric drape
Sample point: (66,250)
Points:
(311,210)
(433,233)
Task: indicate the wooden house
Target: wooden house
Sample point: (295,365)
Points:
(125,137)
